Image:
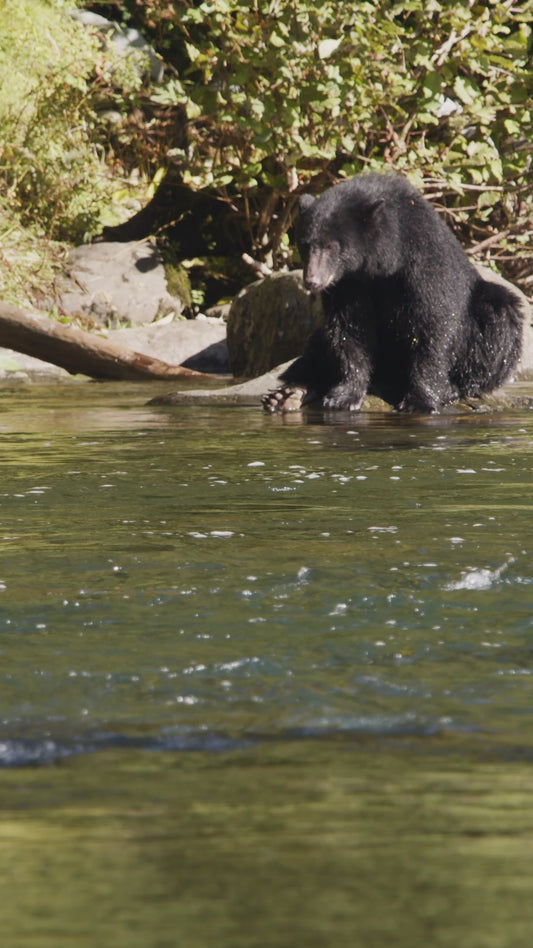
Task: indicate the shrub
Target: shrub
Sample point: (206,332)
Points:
(283,95)
(52,72)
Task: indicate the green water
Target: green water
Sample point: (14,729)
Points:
(263,682)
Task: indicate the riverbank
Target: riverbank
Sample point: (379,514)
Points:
(106,282)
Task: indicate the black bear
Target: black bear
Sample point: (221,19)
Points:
(407,316)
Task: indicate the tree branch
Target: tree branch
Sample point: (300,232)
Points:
(81,352)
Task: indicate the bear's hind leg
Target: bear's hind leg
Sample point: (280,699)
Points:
(429,387)
(495,342)
(344,397)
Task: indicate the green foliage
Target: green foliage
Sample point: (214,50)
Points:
(283,95)
(267,98)
(52,75)
(28,262)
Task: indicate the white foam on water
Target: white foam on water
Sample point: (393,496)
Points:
(478,578)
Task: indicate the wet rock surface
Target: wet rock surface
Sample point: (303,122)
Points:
(516,395)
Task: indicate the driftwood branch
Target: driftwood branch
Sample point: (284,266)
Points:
(81,352)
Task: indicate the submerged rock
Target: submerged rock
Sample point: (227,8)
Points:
(516,395)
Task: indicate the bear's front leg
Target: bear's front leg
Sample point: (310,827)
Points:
(354,370)
(305,380)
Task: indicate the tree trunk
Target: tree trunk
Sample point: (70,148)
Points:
(81,352)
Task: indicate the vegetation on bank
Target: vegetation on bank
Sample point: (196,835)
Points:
(259,101)
(58,185)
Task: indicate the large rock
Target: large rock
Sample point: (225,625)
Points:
(269,322)
(197,343)
(118,282)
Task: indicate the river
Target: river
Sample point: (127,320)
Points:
(264,682)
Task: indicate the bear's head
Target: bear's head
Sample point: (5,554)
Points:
(347,232)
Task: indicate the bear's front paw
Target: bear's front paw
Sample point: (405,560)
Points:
(341,399)
(288,398)
(417,406)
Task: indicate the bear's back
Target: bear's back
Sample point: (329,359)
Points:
(406,228)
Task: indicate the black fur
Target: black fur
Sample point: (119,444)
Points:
(407,316)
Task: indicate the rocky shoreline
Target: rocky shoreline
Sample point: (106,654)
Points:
(201,344)
(244,350)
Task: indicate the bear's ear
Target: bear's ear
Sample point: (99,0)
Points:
(305,202)
(368,208)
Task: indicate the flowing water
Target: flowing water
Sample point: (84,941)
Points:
(263,682)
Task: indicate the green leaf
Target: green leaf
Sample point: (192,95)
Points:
(465,90)
(432,84)
(488,199)
(327,47)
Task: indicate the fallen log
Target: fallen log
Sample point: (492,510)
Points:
(81,352)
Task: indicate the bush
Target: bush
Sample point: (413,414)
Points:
(283,95)
(53,172)
(264,100)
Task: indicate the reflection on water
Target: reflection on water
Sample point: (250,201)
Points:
(319,844)
(277,676)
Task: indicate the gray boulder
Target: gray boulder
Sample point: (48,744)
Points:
(197,343)
(269,322)
(127,40)
(118,282)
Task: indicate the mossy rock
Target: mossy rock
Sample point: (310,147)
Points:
(178,284)
(270,322)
